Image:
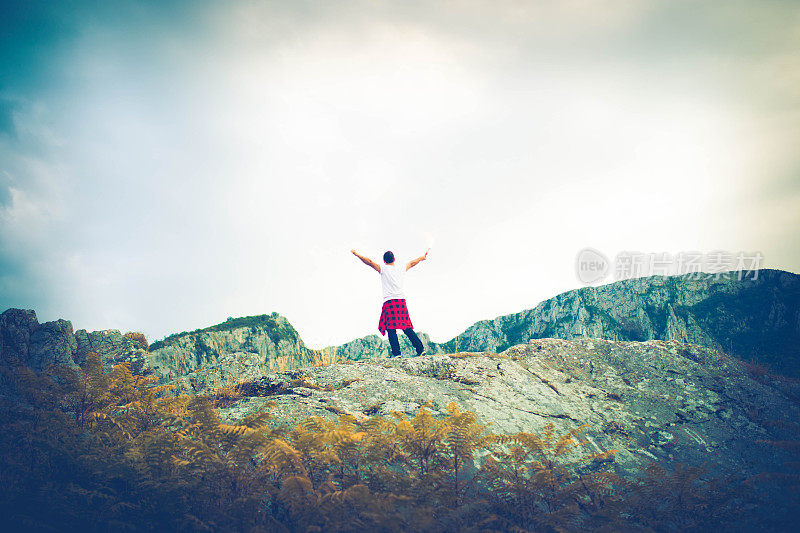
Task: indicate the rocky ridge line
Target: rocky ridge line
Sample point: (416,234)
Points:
(755,318)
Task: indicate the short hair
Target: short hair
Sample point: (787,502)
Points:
(388,258)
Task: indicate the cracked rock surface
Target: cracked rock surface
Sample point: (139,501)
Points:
(653,400)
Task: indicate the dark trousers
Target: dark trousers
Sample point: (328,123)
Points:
(395,344)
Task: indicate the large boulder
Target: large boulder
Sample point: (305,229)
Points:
(34,344)
(16,328)
(53,343)
(227,353)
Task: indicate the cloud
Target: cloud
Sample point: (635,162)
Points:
(7,107)
(164,167)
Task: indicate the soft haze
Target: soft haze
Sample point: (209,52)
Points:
(164,168)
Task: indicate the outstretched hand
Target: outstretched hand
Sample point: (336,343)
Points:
(367,261)
(418,260)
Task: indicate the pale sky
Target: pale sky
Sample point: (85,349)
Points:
(164,168)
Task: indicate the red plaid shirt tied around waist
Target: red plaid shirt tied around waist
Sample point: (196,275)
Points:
(394,315)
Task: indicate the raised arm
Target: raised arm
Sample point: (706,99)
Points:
(367,261)
(418,259)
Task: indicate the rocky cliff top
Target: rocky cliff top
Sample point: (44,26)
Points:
(755,318)
(654,400)
(235,350)
(277,327)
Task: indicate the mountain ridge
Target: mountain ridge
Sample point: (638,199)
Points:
(712,311)
(756,318)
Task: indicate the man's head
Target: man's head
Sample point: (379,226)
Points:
(388,258)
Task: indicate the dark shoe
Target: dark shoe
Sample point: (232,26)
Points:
(423,352)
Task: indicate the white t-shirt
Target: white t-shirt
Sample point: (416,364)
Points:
(392,281)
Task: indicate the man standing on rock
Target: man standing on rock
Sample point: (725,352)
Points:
(394,314)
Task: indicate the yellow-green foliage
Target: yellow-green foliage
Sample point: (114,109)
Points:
(114,451)
(225,396)
(139,338)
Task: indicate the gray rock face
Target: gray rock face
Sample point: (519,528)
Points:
(53,343)
(647,400)
(224,354)
(37,345)
(16,328)
(112,347)
(224,369)
(755,318)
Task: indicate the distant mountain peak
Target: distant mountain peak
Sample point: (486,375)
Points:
(271,322)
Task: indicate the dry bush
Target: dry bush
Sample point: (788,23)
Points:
(225,396)
(138,337)
(757,369)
